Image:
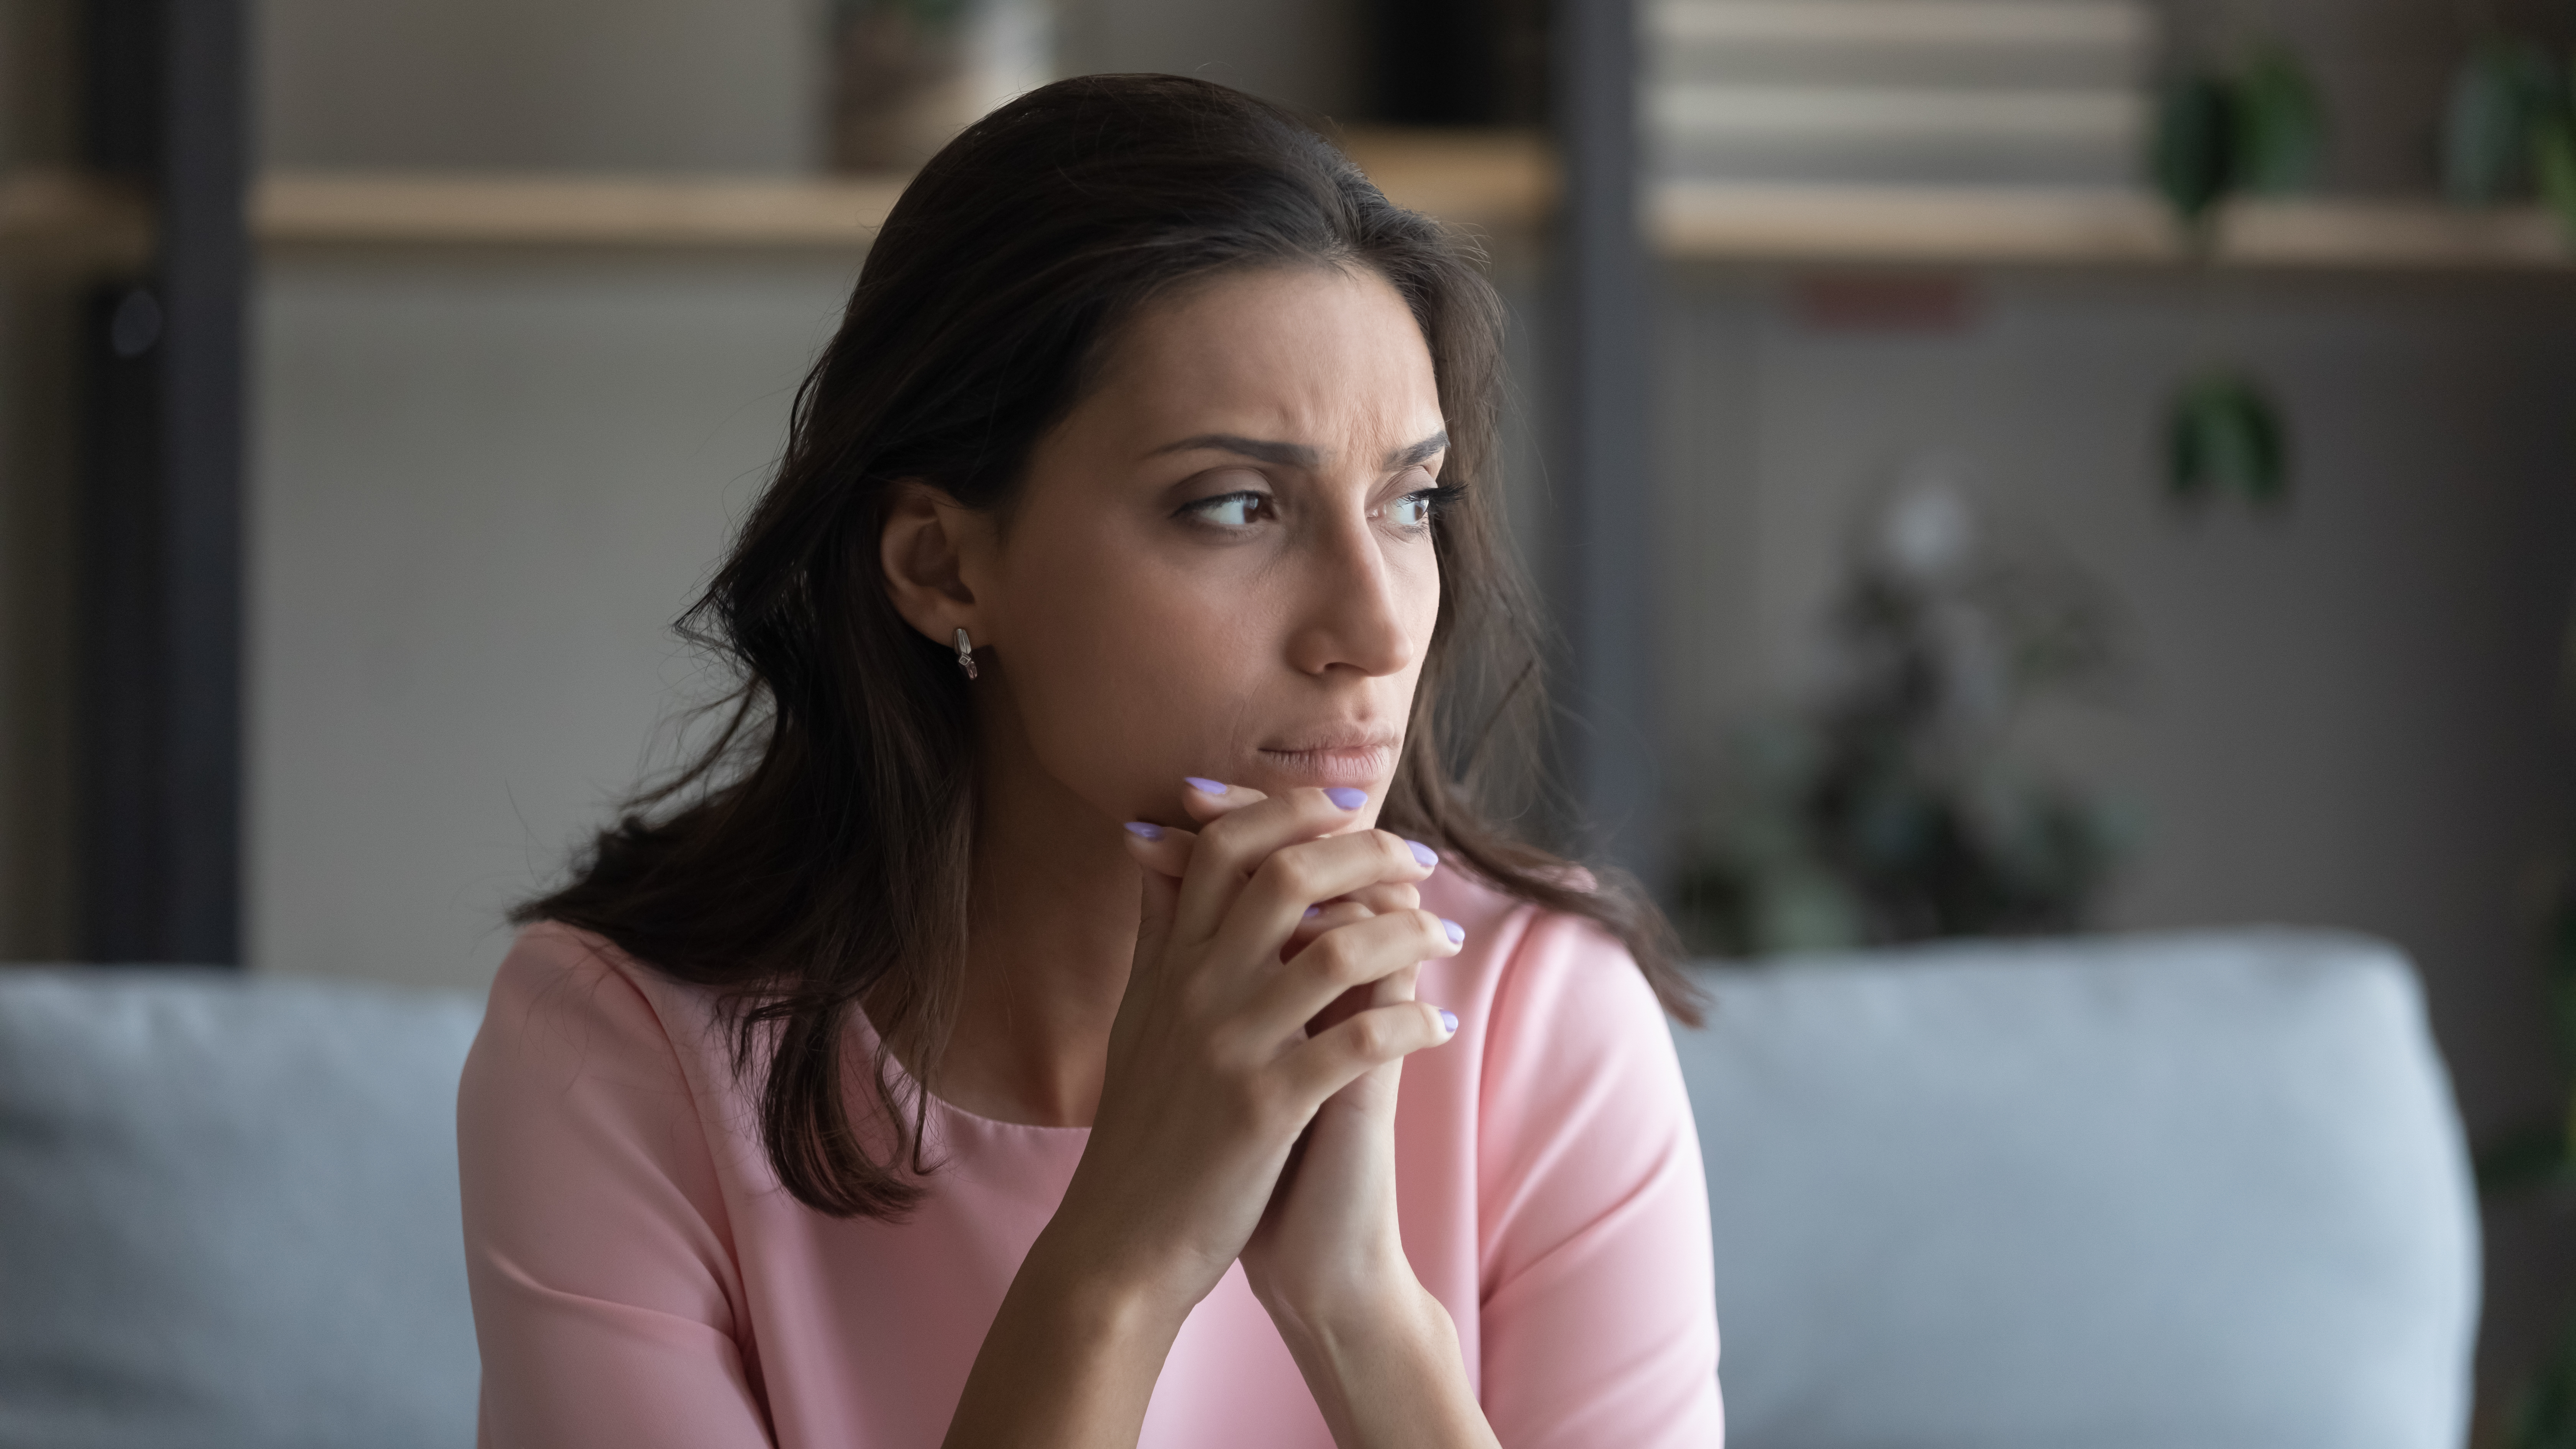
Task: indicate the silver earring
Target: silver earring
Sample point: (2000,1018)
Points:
(966,654)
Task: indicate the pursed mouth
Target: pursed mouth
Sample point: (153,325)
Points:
(1362,760)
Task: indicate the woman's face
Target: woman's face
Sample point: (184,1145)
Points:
(1222,563)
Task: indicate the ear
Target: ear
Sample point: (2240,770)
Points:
(928,550)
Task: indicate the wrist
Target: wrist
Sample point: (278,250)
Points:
(1395,1319)
(1105,1296)
(1388,1371)
(1070,1346)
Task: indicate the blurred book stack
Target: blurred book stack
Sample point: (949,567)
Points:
(1899,92)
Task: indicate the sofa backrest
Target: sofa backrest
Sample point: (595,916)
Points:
(228,1214)
(2159,1191)
(2203,1190)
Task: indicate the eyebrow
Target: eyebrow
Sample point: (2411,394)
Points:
(1297,455)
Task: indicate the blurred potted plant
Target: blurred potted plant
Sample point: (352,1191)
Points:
(2510,128)
(2257,127)
(1893,810)
(910,74)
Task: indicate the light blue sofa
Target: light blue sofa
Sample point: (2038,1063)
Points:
(2201,1191)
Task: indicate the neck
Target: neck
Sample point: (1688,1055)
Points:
(1051,932)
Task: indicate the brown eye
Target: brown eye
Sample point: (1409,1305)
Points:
(1233,510)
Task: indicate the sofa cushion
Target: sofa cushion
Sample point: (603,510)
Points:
(2203,1190)
(228,1213)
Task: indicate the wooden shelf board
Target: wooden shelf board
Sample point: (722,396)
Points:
(304,208)
(1495,180)
(1962,226)
(1503,182)
(66,218)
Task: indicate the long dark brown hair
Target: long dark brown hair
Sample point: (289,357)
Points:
(813,857)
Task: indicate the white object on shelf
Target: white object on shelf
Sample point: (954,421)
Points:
(1899,91)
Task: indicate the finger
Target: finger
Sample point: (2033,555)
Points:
(1376,900)
(1207,799)
(1388,896)
(1333,1059)
(1236,843)
(1319,919)
(1160,849)
(1387,990)
(1348,957)
(1310,873)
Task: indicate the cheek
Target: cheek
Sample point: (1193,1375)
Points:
(1129,679)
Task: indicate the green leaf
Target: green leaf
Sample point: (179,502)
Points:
(2544,1412)
(2524,1161)
(2225,433)
(2503,86)
(2280,125)
(2193,160)
(2553,164)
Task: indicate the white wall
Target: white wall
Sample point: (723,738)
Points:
(482,496)
(580,84)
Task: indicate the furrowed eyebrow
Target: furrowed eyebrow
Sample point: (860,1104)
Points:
(1284,455)
(1298,455)
(1422,452)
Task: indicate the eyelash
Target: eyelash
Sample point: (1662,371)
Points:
(1436,501)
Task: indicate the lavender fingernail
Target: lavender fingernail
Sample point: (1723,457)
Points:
(1423,854)
(1143,831)
(1448,1021)
(1203,786)
(1313,911)
(1457,933)
(1346,797)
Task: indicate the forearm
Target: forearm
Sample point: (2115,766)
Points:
(1069,1363)
(1392,1376)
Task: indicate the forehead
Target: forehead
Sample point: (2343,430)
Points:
(1321,356)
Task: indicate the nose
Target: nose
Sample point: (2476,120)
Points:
(1353,613)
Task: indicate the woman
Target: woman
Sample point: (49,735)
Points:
(996,1035)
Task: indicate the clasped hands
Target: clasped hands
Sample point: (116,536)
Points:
(1248,1106)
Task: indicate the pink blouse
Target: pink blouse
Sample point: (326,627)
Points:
(640,1278)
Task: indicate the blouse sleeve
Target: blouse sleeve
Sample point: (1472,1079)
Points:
(605,1298)
(1599,1321)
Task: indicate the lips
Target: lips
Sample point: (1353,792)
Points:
(1346,756)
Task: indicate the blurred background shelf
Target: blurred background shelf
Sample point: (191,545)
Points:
(1963,226)
(1494,180)
(1501,182)
(73,220)
(537,210)
(1504,184)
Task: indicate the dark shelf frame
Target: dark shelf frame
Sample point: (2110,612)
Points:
(1603,489)
(166,104)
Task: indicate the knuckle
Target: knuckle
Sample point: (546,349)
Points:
(1199,999)
(1293,872)
(1246,1106)
(1336,956)
(1222,837)
(1372,1036)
